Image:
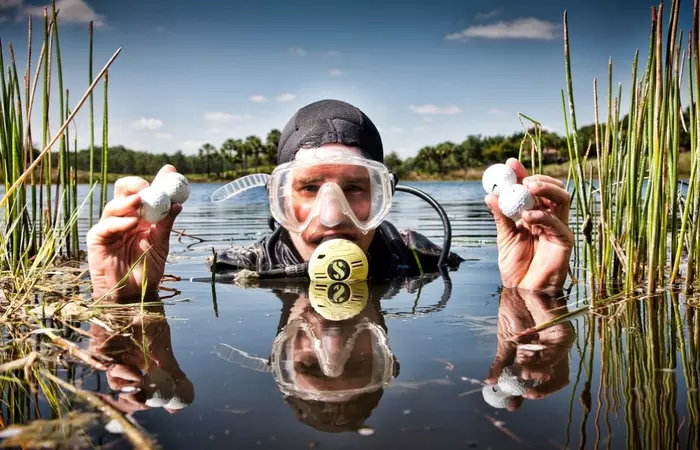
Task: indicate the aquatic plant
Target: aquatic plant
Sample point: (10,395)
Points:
(636,220)
(24,169)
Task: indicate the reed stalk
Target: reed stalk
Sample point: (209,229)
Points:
(105,146)
(63,146)
(92,124)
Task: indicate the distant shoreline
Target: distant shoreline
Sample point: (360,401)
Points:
(472,174)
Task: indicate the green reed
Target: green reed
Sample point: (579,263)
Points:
(29,218)
(634,225)
(92,125)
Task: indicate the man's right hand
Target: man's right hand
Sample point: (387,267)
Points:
(121,238)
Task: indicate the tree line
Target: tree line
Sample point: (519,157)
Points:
(236,156)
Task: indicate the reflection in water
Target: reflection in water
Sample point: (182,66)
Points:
(331,358)
(143,372)
(536,365)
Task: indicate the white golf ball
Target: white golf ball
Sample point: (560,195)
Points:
(155,204)
(494,396)
(512,384)
(514,200)
(175,185)
(496,177)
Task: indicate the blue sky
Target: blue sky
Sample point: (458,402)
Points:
(424,71)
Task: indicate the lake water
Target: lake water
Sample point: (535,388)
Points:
(641,393)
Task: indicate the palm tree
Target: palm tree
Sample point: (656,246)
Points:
(228,150)
(271,143)
(253,147)
(207,149)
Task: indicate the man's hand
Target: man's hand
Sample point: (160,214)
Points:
(534,252)
(121,237)
(519,311)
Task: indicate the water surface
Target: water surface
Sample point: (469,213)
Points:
(444,350)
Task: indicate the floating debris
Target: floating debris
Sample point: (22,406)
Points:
(448,365)
(366,431)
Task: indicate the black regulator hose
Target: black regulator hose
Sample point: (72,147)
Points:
(446,226)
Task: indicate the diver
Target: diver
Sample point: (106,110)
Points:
(331,184)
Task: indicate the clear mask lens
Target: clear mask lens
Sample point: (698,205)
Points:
(337,365)
(330,191)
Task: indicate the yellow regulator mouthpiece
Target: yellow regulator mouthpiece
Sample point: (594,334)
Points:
(339,300)
(338,260)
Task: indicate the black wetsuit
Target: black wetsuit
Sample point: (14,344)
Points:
(391,254)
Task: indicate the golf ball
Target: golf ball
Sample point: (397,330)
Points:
(496,177)
(155,204)
(514,200)
(175,185)
(512,384)
(494,396)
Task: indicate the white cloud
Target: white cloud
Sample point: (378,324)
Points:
(335,72)
(333,53)
(223,117)
(70,11)
(523,28)
(396,130)
(258,98)
(434,109)
(286,97)
(421,128)
(489,15)
(147,123)
(161,135)
(428,118)
(298,51)
(495,112)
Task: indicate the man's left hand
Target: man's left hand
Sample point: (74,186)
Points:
(534,252)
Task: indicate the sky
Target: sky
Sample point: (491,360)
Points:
(424,71)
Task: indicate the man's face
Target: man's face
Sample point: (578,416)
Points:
(354,183)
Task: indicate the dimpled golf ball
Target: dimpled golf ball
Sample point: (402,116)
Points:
(511,384)
(496,177)
(175,185)
(514,200)
(155,204)
(494,396)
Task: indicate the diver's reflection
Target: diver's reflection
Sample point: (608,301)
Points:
(144,372)
(534,366)
(331,357)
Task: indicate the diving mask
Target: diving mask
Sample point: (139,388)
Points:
(329,370)
(328,186)
(331,188)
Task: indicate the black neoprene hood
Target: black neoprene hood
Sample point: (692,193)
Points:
(329,122)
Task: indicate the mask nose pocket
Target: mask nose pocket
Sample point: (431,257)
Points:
(332,213)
